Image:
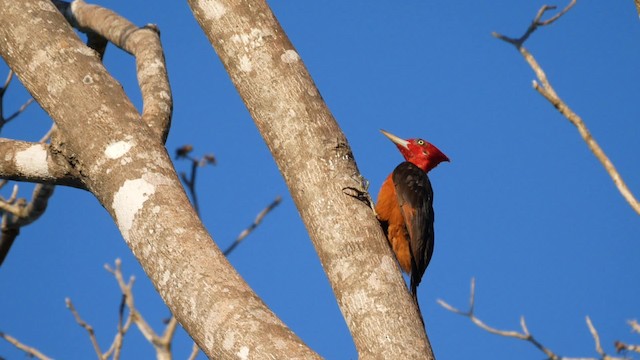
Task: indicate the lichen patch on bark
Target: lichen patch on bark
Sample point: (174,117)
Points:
(33,160)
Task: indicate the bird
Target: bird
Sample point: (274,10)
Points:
(405,207)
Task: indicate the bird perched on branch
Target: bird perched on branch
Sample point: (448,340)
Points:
(405,206)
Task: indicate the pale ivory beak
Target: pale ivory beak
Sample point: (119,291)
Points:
(396,140)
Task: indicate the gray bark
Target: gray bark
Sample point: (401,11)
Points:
(123,162)
(317,164)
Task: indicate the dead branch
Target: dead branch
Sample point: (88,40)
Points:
(4,120)
(142,42)
(208,159)
(87,327)
(31,351)
(162,344)
(253,225)
(543,86)
(525,335)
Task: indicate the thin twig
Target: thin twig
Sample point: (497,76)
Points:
(31,351)
(525,334)
(19,111)
(547,91)
(254,225)
(194,352)
(87,327)
(7,81)
(162,345)
(596,338)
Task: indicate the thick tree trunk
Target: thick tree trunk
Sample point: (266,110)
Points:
(317,164)
(122,161)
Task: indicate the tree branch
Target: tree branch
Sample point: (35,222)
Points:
(27,349)
(162,344)
(253,225)
(316,162)
(35,162)
(87,327)
(547,91)
(144,44)
(3,89)
(16,213)
(125,165)
(525,335)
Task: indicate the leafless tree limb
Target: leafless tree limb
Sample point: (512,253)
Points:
(87,327)
(143,43)
(162,344)
(524,335)
(543,86)
(35,162)
(4,120)
(316,162)
(622,347)
(253,225)
(194,352)
(16,213)
(184,152)
(31,351)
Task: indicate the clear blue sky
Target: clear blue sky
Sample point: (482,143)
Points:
(523,206)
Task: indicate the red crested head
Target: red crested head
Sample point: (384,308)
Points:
(418,152)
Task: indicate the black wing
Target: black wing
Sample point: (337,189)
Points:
(415,197)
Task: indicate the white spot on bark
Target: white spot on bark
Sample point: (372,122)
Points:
(87,80)
(33,160)
(130,199)
(165,277)
(213,9)
(229,340)
(243,353)
(245,64)
(47,6)
(253,39)
(152,69)
(290,56)
(85,50)
(117,149)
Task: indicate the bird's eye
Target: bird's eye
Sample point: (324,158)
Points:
(420,142)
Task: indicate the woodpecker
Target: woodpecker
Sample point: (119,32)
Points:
(405,206)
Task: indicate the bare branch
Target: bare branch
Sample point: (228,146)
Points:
(87,327)
(7,81)
(35,162)
(547,91)
(536,23)
(32,352)
(19,212)
(19,111)
(194,352)
(525,334)
(29,27)
(253,225)
(141,42)
(162,344)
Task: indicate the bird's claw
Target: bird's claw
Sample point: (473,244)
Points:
(361,196)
